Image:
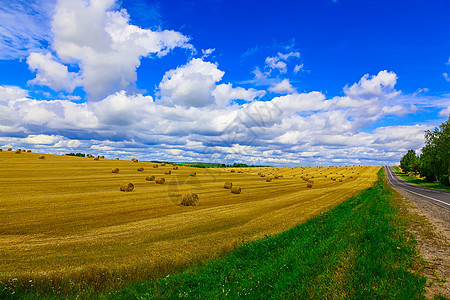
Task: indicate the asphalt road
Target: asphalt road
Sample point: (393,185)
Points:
(441,198)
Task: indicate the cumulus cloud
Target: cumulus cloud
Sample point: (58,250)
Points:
(298,68)
(282,87)
(107,49)
(12,93)
(445,112)
(51,73)
(297,128)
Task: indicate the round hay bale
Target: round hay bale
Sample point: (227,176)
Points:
(29,151)
(161,180)
(268,179)
(102,157)
(235,190)
(259,173)
(155,166)
(116,170)
(18,151)
(127,187)
(193,174)
(150,178)
(228,185)
(135,160)
(96,158)
(140,169)
(310,184)
(190,199)
(168,172)
(42,157)
(117,158)
(174,164)
(163,164)
(275,177)
(9,149)
(1,150)
(263,175)
(175,168)
(232,171)
(24,151)
(90,156)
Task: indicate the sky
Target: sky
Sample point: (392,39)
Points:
(285,83)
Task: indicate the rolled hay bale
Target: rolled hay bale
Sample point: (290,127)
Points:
(193,174)
(42,157)
(190,199)
(228,185)
(232,171)
(175,168)
(29,151)
(140,169)
(117,158)
(235,190)
(259,173)
(24,151)
(174,164)
(269,179)
(116,170)
(1,150)
(263,175)
(90,156)
(161,180)
(340,180)
(18,151)
(155,166)
(96,158)
(276,176)
(163,164)
(168,172)
(127,187)
(150,178)
(102,157)
(310,183)
(9,149)
(134,160)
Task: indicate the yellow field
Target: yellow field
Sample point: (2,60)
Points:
(66,214)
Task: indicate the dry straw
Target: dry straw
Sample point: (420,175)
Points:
(117,158)
(163,164)
(96,158)
(150,178)
(161,180)
(9,149)
(140,169)
(116,170)
(127,187)
(18,151)
(42,157)
(228,185)
(310,183)
(29,151)
(102,157)
(155,166)
(193,174)
(1,150)
(168,172)
(175,168)
(235,190)
(190,199)
(268,179)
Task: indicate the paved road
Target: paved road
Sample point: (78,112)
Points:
(441,198)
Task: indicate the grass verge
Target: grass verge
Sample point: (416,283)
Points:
(358,250)
(420,182)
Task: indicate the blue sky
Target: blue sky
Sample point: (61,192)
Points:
(282,83)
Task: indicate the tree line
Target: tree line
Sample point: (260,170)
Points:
(434,161)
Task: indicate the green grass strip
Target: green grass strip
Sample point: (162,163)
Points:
(420,182)
(357,250)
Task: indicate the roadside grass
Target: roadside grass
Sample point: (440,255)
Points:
(420,182)
(357,250)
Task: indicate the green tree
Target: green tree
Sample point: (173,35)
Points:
(410,162)
(435,157)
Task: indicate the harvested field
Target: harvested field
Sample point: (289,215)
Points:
(66,214)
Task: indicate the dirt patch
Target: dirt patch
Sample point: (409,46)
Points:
(430,225)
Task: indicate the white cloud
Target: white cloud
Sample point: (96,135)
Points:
(446,76)
(207,52)
(445,112)
(282,87)
(191,84)
(275,63)
(224,93)
(107,49)
(298,68)
(367,88)
(51,73)
(24,27)
(12,92)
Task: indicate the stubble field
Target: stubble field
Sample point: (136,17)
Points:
(65,216)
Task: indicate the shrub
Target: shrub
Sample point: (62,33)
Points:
(127,187)
(444,179)
(190,199)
